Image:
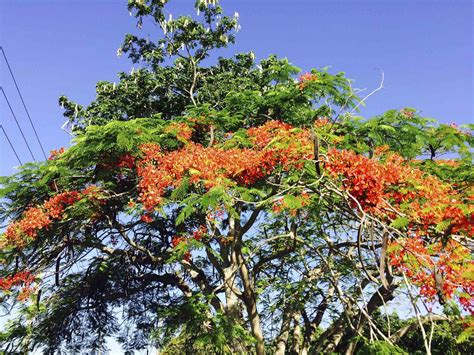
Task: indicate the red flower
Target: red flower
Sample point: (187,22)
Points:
(306,78)
(146,218)
(55,153)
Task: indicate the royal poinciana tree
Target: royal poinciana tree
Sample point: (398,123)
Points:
(224,205)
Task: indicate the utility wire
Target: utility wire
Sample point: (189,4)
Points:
(17,123)
(23,101)
(11,145)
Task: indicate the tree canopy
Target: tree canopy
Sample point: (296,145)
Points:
(233,206)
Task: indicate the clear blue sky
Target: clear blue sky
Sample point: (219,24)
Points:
(425,49)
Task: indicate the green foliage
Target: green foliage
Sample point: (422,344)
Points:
(449,336)
(399,223)
(380,348)
(107,271)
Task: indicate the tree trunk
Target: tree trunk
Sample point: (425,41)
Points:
(282,338)
(297,335)
(250,301)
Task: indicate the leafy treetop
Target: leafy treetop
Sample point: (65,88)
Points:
(236,205)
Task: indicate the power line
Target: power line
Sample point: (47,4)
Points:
(23,101)
(11,145)
(17,123)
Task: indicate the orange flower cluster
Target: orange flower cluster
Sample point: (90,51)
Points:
(284,144)
(322,122)
(146,218)
(210,165)
(361,177)
(432,203)
(425,199)
(407,113)
(447,162)
(199,233)
(216,215)
(56,205)
(55,153)
(280,204)
(372,182)
(23,279)
(305,79)
(176,240)
(181,130)
(214,166)
(418,260)
(263,135)
(36,218)
(427,203)
(126,161)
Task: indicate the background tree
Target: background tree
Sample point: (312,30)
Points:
(231,206)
